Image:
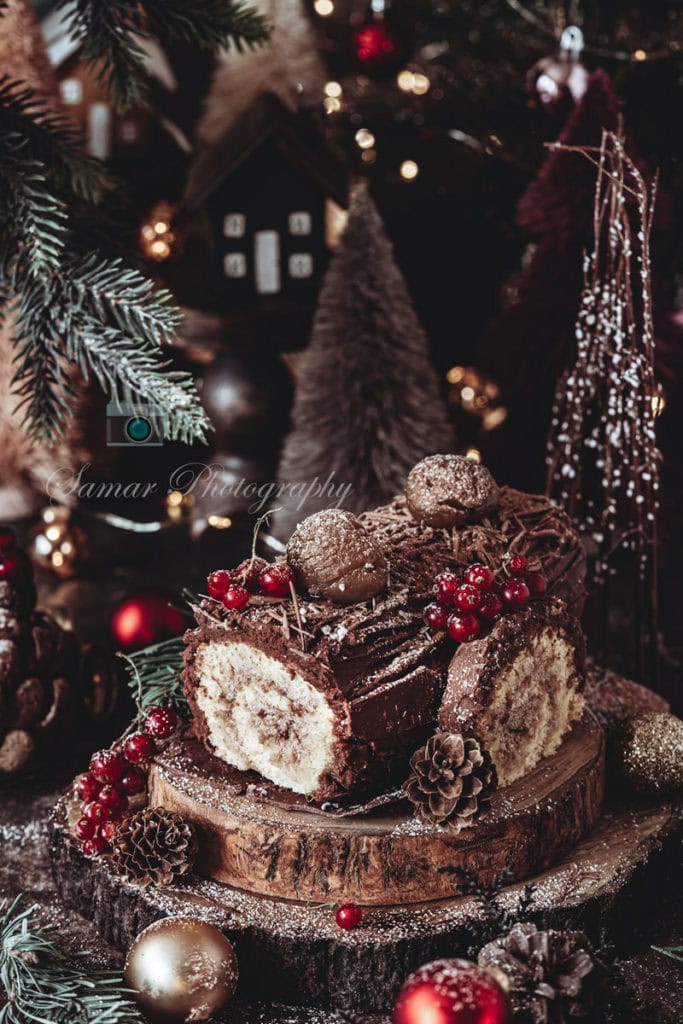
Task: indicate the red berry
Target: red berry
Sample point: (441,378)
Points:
(247,573)
(516,593)
(274,581)
(115,801)
(516,565)
(349,916)
(236,597)
(94,847)
(96,812)
(436,616)
(467,598)
(108,831)
(133,782)
(11,565)
(139,748)
(536,582)
(491,606)
(8,538)
(218,582)
(107,765)
(480,576)
(462,628)
(445,585)
(161,723)
(87,787)
(85,828)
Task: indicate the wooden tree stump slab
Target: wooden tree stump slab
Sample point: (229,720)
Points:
(294,953)
(263,840)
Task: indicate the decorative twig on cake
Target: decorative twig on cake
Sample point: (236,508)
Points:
(603,463)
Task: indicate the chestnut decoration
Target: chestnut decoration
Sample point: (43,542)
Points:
(332,555)
(443,491)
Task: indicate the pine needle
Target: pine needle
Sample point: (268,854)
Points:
(154,675)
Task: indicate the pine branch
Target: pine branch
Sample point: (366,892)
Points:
(51,139)
(112,33)
(41,986)
(34,218)
(154,674)
(674,952)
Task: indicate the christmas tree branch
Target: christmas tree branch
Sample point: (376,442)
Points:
(41,986)
(112,33)
(154,674)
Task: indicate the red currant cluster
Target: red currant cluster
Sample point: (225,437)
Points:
(252,576)
(466,606)
(116,775)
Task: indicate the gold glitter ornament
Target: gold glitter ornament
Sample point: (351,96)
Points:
(650,753)
(181,970)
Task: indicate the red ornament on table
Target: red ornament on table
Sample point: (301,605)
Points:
(349,916)
(146,618)
(377,46)
(452,992)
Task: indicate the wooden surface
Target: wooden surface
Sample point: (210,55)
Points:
(257,839)
(294,953)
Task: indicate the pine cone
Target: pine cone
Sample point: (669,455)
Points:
(553,975)
(154,846)
(452,780)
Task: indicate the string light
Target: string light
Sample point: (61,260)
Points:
(421,84)
(368,156)
(157,239)
(474,454)
(658,401)
(324,8)
(409,170)
(331,105)
(406,80)
(639,55)
(365,138)
(333,89)
(220,522)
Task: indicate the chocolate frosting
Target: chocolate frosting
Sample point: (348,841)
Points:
(381,669)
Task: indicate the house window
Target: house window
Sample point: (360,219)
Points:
(72,90)
(99,130)
(234,225)
(300,223)
(235,264)
(267,262)
(300,264)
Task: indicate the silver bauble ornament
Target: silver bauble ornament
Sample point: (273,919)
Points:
(181,970)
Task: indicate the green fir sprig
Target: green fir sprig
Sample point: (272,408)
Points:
(112,34)
(39,984)
(154,675)
(673,952)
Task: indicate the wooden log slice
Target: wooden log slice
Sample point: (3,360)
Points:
(262,840)
(295,954)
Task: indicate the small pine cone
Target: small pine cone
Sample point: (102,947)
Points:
(154,846)
(553,976)
(451,781)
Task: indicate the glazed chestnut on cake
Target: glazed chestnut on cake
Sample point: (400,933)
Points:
(329,699)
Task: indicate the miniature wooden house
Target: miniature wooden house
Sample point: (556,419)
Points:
(270,194)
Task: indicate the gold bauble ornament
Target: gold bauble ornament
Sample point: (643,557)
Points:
(650,752)
(57,543)
(181,970)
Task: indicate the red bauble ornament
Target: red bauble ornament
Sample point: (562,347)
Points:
(377,47)
(107,766)
(218,582)
(161,723)
(11,565)
(349,916)
(480,576)
(87,787)
(8,538)
(146,618)
(139,748)
(516,593)
(436,616)
(274,581)
(463,628)
(452,992)
(445,586)
(132,782)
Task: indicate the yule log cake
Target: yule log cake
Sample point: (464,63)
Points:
(328,690)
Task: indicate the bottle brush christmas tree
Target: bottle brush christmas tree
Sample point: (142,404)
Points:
(367,406)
